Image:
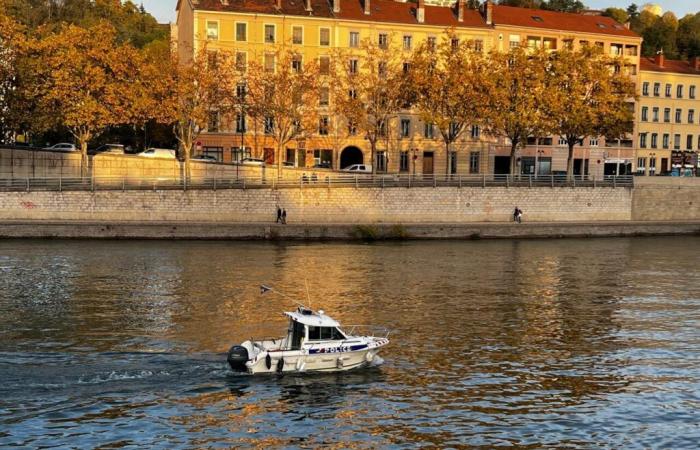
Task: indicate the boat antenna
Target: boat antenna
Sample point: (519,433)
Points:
(308,296)
(264,289)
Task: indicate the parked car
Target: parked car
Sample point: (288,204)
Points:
(63,147)
(323,165)
(114,149)
(205,158)
(252,162)
(158,153)
(358,168)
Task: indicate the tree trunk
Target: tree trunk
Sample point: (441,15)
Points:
(187,150)
(84,161)
(373,151)
(513,149)
(448,165)
(570,161)
(279,161)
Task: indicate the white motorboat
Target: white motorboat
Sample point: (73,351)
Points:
(314,343)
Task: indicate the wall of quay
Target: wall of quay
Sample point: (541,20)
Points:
(324,205)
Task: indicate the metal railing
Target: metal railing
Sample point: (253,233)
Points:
(307,181)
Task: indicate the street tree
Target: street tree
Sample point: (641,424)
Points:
(369,89)
(80,78)
(517,98)
(445,82)
(11,50)
(283,93)
(592,96)
(192,94)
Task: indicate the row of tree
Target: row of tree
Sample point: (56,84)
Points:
(88,80)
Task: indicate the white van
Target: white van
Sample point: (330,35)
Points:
(358,168)
(158,153)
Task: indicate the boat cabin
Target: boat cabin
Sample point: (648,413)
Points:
(307,326)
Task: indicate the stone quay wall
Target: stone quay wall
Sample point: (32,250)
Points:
(666,199)
(324,205)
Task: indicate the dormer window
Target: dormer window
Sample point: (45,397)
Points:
(537,19)
(601,25)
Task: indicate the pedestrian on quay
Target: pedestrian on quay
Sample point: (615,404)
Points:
(284,216)
(515,214)
(520,215)
(279,215)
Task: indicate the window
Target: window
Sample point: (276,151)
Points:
(407,42)
(429,131)
(645,113)
(241,32)
(381,69)
(677,141)
(269,34)
(689,142)
(213,125)
(403,162)
(354,39)
(668,90)
(476,132)
(514,41)
(241,91)
(381,160)
(323,126)
(240,123)
(324,65)
(691,116)
(616,49)
(324,334)
(454,43)
(268,124)
(352,93)
(324,37)
(432,42)
(691,92)
(641,164)
(297,35)
(478,45)
(353,63)
(453,163)
(654,140)
(238,154)
(383,40)
(645,88)
(665,143)
(212,30)
(269,62)
(655,114)
(352,128)
(652,166)
(537,19)
(533,42)
(324,96)
(405,128)
(381,128)
(296,63)
(657,89)
(562,141)
(679,91)
(679,114)
(241,61)
(549,44)
(593,142)
(643,140)
(474,162)
(667,115)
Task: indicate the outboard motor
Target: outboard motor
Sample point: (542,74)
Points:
(237,357)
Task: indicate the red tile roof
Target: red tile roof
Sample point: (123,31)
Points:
(388,11)
(553,20)
(670,66)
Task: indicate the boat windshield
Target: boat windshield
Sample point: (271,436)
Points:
(325,334)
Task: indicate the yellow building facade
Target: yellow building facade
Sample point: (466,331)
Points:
(668,117)
(317,28)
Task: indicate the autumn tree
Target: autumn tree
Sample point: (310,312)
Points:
(283,92)
(11,49)
(369,89)
(591,97)
(192,95)
(446,85)
(517,98)
(80,79)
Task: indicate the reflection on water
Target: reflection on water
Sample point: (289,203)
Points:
(569,343)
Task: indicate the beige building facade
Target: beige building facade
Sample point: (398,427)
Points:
(318,27)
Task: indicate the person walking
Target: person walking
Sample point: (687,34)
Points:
(515,214)
(520,215)
(284,216)
(279,215)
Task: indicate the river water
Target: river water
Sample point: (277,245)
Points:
(542,343)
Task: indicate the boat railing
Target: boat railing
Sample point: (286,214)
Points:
(366,330)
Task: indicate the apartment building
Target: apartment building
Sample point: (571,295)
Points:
(317,27)
(668,117)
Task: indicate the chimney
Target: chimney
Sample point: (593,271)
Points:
(487,12)
(307,6)
(420,11)
(461,6)
(695,62)
(660,59)
(336,6)
(627,24)
(278,4)
(367,7)
(224,2)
